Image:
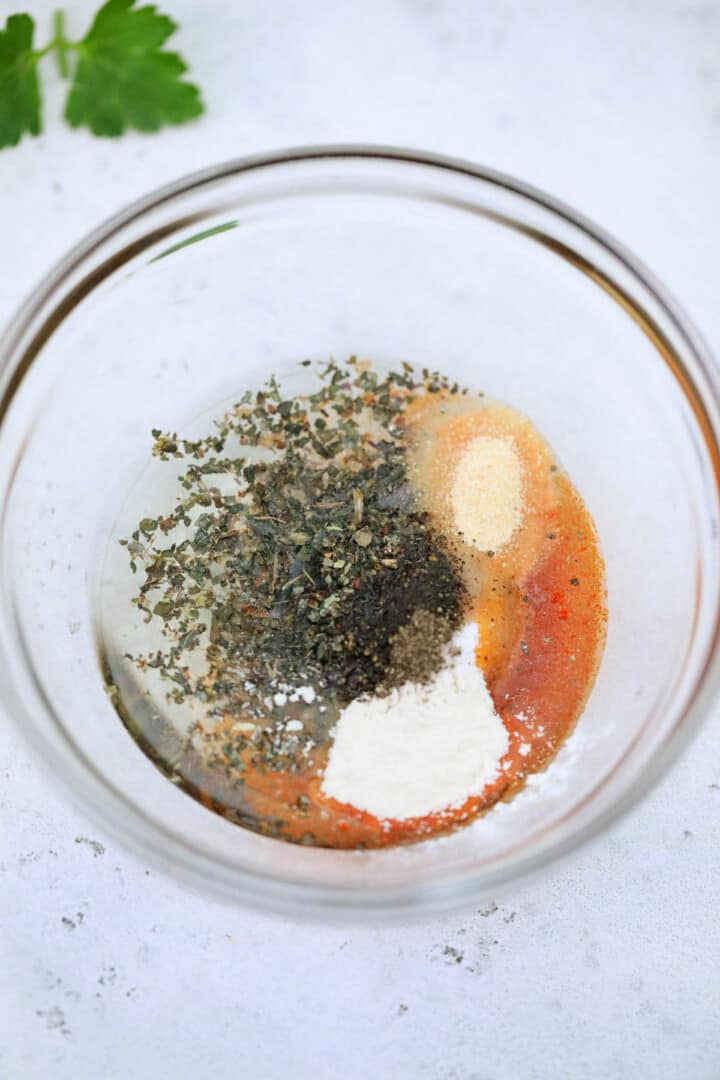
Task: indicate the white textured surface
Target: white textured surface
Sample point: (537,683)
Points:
(606,969)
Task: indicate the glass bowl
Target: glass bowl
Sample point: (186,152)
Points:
(206,286)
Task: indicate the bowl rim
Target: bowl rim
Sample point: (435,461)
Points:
(124,821)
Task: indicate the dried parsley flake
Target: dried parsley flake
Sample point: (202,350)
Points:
(296,555)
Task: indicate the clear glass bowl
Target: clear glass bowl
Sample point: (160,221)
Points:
(390,255)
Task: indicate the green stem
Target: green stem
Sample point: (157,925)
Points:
(38,54)
(61,44)
(58,44)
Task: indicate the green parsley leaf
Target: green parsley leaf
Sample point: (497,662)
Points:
(19,88)
(124,79)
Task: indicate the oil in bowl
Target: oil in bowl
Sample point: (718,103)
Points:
(356,609)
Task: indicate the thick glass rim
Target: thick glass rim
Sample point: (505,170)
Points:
(47,307)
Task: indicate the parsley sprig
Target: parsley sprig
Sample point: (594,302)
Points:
(122,77)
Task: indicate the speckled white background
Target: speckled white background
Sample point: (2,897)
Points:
(607,969)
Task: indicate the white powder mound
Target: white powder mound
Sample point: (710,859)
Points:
(487,492)
(421,749)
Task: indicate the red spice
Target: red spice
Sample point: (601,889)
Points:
(539,690)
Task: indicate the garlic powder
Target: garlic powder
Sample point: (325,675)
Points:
(487,493)
(422,748)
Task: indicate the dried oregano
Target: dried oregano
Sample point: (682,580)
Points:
(296,554)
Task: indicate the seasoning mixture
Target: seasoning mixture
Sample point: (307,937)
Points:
(374,609)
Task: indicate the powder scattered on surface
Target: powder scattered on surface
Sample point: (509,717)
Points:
(487,493)
(422,748)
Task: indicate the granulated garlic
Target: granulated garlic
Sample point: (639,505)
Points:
(487,493)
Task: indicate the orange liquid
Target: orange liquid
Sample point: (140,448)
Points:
(541,612)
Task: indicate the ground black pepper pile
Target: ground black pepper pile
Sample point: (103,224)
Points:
(314,568)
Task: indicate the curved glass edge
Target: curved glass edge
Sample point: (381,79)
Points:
(109,807)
